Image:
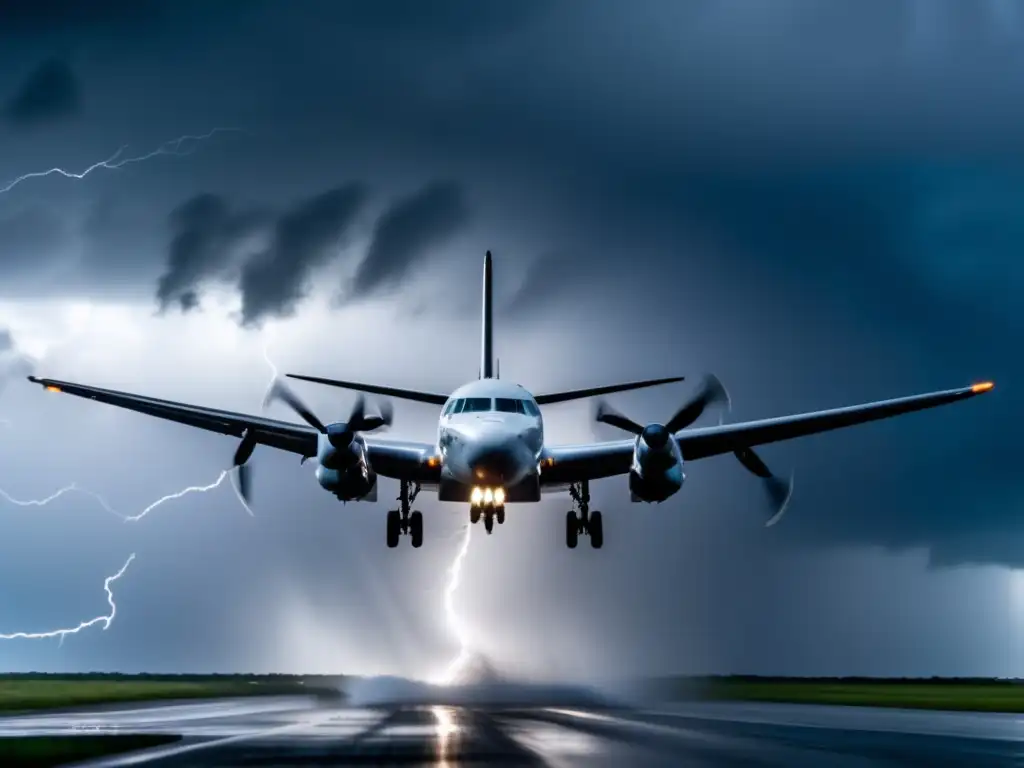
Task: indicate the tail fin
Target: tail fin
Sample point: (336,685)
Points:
(487,339)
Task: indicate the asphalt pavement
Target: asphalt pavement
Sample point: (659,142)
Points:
(297,731)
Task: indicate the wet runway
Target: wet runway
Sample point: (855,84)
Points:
(301,732)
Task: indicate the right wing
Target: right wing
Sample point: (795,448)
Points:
(565,464)
(727,438)
(404,460)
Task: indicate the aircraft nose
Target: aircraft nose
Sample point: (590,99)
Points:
(495,464)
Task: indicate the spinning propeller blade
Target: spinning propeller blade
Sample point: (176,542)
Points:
(710,392)
(281,391)
(242,454)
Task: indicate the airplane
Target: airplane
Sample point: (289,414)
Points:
(490,449)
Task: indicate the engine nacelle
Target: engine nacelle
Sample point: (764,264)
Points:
(657,470)
(345,471)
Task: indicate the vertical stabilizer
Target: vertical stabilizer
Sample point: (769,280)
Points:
(487,339)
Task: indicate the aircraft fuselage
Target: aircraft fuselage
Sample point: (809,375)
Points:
(490,438)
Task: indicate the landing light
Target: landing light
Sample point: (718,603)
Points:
(489,496)
(983,386)
(51,388)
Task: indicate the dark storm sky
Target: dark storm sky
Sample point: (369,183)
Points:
(821,202)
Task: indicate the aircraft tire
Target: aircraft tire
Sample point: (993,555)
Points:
(394,527)
(499,514)
(489,523)
(474,514)
(596,530)
(416,528)
(571,530)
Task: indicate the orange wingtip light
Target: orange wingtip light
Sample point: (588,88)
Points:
(982,386)
(51,388)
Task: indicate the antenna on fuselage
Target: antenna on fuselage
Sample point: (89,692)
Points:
(497,367)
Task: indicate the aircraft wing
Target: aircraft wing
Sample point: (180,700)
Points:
(391,458)
(575,463)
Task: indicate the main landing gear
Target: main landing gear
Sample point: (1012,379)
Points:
(584,521)
(489,512)
(402,521)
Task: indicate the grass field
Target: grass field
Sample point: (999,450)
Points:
(45,751)
(33,692)
(938,693)
(38,691)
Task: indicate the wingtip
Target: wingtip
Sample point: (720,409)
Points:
(34,379)
(982,386)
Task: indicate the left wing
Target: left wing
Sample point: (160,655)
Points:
(390,458)
(575,463)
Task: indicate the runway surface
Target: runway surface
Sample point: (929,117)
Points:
(301,732)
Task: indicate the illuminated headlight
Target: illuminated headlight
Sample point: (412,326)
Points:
(488,496)
(499,496)
(476,496)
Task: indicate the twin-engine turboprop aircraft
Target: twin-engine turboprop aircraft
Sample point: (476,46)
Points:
(490,449)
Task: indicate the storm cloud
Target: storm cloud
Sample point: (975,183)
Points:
(407,232)
(307,236)
(50,93)
(206,235)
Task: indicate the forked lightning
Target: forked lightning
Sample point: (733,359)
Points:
(106,619)
(490,450)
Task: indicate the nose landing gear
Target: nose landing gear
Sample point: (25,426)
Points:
(585,522)
(489,513)
(402,521)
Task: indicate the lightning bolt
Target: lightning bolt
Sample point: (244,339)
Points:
(455,624)
(184,492)
(179,147)
(106,619)
(273,370)
(73,488)
(182,146)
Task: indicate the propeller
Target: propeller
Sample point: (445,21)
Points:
(242,454)
(339,434)
(710,392)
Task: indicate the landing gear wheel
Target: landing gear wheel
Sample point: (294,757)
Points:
(474,515)
(499,514)
(489,523)
(596,530)
(394,527)
(416,529)
(572,530)
(578,520)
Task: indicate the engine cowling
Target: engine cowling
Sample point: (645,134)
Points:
(344,467)
(657,471)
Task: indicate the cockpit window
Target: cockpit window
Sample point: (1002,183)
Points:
(449,408)
(507,405)
(477,404)
(531,408)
